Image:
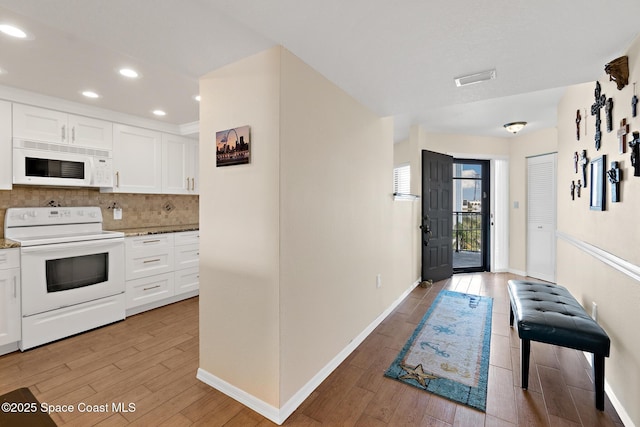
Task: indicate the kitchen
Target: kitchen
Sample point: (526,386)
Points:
(54,184)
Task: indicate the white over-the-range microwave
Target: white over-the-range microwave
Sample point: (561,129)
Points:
(43,163)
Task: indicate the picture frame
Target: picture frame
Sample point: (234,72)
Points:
(233,146)
(597,177)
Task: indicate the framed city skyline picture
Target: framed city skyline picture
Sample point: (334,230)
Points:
(233,146)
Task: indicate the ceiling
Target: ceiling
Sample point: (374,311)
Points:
(398,58)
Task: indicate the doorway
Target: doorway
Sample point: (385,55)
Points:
(471,202)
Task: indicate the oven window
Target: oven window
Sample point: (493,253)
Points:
(54,168)
(75,272)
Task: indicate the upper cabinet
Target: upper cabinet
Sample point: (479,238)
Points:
(5,146)
(41,124)
(179,165)
(137,160)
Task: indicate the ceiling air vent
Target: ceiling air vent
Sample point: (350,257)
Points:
(475,78)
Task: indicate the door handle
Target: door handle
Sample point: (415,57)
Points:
(426,230)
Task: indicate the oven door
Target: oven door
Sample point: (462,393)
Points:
(65,274)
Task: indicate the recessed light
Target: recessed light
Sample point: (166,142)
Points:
(197,98)
(12,31)
(128,72)
(90,94)
(2,71)
(159,113)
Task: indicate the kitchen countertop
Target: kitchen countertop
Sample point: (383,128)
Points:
(8,244)
(145,231)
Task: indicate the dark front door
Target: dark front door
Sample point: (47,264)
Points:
(436,216)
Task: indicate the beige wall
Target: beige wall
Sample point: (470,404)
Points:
(614,230)
(239,229)
(292,243)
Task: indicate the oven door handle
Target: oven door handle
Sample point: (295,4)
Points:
(56,247)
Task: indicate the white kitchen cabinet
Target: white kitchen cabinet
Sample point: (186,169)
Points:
(10,320)
(148,255)
(187,261)
(179,165)
(41,124)
(6,176)
(161,269)
(137,160)
(149,289)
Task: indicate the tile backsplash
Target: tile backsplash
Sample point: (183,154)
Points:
(138,210)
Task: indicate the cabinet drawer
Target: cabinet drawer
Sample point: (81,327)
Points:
(187,280)
(155,241)
(149,289)
(144,264)
(187,238)
(9,258)
(187,256)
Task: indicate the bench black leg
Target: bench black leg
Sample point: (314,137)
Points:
(525,349)
(598,373)
(510,315)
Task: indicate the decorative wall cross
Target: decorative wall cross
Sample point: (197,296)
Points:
(578,187)
(634,102)
(573,190)
(622,136)
(615,176)
(595,111)
(635,153)
(608,108)
(584,162)
(576,159)
(578,120)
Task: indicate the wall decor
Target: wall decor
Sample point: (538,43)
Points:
(615,176)
(597,200)
(622,136)
(578,188)
(232,146)
(635,153)
(573,190)
(578,120)
(634,102)
(618,71)
(608,108)
(576,159)
(600,100)
(584,161)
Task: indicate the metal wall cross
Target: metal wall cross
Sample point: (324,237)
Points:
(600,101)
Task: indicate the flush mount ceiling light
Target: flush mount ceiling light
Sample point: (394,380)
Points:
(90,94)
(159,113)
(197,98)
(475,78)
(12,31)
(129,72)
(515,127)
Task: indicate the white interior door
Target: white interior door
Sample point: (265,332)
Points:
(541,217)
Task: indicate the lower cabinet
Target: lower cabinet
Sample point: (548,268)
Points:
(10,314)
(161,269)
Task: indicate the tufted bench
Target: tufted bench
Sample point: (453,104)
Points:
(549,314)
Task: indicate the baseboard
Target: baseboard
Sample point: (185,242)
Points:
(8,348)
(622,413)
(150,306)
(517,272)
(279,415)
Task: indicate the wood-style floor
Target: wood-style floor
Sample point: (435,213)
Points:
(151,359)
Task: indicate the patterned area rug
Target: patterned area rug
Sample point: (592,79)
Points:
(448,353)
